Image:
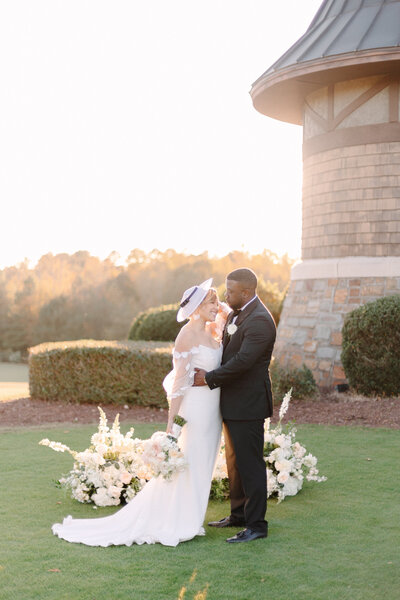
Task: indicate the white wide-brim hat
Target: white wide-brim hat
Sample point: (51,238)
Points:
(192,298)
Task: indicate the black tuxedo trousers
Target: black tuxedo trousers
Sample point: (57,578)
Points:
(244,444)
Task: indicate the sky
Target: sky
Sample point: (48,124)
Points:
(129,124)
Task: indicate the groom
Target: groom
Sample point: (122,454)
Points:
(246,400)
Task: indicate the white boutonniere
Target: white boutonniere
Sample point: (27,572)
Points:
(231,329)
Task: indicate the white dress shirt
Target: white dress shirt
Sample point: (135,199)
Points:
(245,306)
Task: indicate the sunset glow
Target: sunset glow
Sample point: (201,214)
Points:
(130,125)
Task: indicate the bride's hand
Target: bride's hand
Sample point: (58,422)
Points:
(223,310)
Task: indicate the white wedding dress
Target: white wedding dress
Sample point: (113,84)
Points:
(172,511)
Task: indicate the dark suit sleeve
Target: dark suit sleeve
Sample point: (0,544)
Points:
(258,338)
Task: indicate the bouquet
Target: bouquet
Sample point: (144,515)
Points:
(161,453)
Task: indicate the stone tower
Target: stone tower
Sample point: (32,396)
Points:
(341,81)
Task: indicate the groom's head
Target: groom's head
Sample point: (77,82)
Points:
(241,286)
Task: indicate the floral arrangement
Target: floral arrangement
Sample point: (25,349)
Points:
(287,461)
(115,467)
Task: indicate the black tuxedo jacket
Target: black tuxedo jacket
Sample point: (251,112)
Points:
(243,375)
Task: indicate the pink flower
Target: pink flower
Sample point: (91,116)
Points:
(126,477)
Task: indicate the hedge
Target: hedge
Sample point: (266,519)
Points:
(371,347)
(156,324)
(301,380)
(124,373)
(100,372)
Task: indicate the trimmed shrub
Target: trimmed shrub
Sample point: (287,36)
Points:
(300,379)
(100,372)
(371,347)
(158,324)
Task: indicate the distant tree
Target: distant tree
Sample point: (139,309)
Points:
(71,296)
(54,321)
(4,314)
(22,319)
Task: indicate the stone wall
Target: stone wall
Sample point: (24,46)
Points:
(309,331)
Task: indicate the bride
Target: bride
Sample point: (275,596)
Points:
(173,511)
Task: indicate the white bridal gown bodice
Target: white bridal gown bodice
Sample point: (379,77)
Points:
(172,511)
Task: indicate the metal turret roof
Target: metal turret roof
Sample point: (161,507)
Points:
(346,38)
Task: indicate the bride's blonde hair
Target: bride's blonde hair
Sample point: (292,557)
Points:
(214,295)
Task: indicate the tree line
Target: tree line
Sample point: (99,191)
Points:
(75,296)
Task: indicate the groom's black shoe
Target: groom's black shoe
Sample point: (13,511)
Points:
(247,535)
(226,522)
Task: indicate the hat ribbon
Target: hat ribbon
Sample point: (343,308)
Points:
(188,298)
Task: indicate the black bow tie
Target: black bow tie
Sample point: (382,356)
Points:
(236,313)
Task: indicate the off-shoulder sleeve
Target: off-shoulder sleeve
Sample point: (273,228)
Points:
(181,377)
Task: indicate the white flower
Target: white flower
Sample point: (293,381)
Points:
(298,450)
(291,486)
(101,449)
(282,477)
(283,441)
(114,491)
(80,493)
(125,477)
(285,404)
(309,461)
(220,470)
(272,485)
(283,465)
(57,446)
(279,454)
(231,329)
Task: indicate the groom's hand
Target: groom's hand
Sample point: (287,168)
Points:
(199,377)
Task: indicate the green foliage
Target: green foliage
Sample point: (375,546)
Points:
(158,324)
(300,379)
(219,489)
(371,347)
(100,372)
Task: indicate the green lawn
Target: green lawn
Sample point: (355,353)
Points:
(335,540)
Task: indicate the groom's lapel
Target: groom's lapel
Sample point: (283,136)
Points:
(225,337)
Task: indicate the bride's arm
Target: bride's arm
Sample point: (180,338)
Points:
(180,378)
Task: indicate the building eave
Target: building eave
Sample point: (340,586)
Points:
(280,94)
